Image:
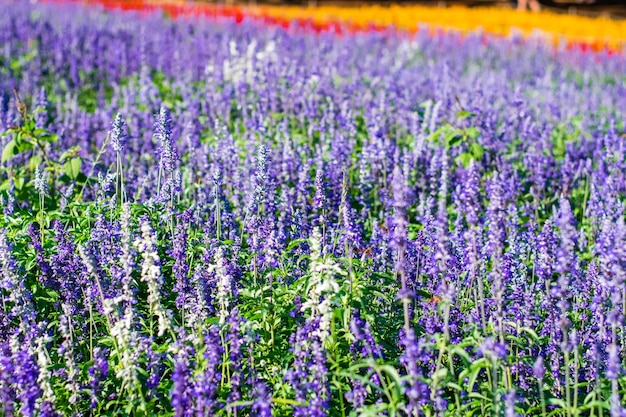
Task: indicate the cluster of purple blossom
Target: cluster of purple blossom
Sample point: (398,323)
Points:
(272,222)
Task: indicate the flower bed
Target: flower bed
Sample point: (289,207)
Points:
(229,217)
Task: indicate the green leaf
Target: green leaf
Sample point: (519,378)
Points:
(454,386)
(395,377)
(457,350)
(531,333)
(464,114)
(34,162)
(472,132)
(48,138)
(477,150)
(10,150)
(452,137)
(19,183)
(464,159)
(474,371)
(441,374)
(5,185)
(24,146)
(72,167)
(556,401)
(70,153)
(480,396)
(595,404)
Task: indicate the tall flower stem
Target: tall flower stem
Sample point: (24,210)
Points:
(41,217)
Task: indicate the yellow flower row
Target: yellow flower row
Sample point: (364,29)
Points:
(492,20)
(596,33)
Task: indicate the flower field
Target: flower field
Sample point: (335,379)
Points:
(231,214)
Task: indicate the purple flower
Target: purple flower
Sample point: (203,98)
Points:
(319,199)
(206,385)
(46,409)
(10,203)
(117,134)
(180,269)
(509,401)
(614,367)
(617,409)
(181,395)
(539,370)
(41,110)
(364,344)
(261,178)
(416,391)
(262,406)
(470,194)
(16,298)
(400,223)
(357,395)
(97,374)
(308,375)
(155,368)
(163,133)
(493,350)
(25,375)
(8,395)
(235,343)
(350,227)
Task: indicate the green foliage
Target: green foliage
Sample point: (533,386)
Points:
(30,145)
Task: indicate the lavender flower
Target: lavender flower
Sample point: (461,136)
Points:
(181,391)
(155,368)
(41,110)
(300,171)
(308,375)
(181,267)
(321,287)
(151,275)
(614,367)
(17,301)
(97,373)
(509,400)
(26,374)
(492,350)
(8,394)
(400,239)
(163,133)
(260,189)
(117,134)
(9,205)
(319,200)
(262,406)
(66,349)
(416,391)
(235,344)
(40,182)
(207,383)
(539,369)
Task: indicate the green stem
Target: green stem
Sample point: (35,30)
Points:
(95,162)
(575,403)
(567,383)
(41,214)
(218,219)
(542,398)
(494,388)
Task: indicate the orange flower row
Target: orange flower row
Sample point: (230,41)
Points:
(578,32)
(557,27)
